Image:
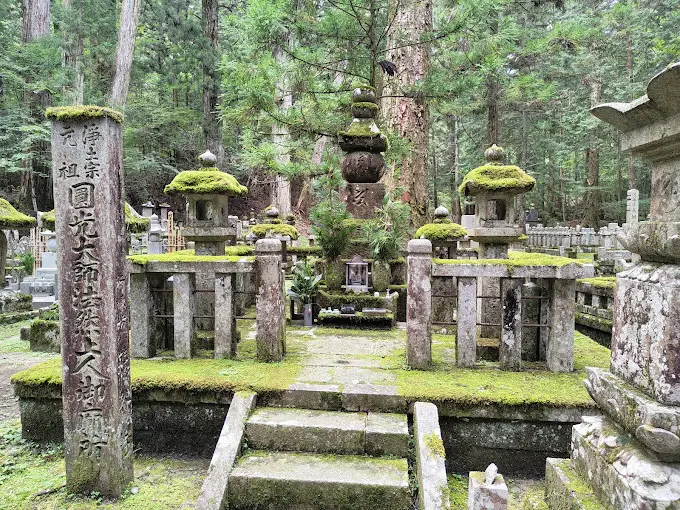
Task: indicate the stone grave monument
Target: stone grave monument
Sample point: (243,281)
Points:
(87,166)
(631,456)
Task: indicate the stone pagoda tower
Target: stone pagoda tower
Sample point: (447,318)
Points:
(363,165)
(630,457)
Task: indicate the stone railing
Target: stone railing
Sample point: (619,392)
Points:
(594,303)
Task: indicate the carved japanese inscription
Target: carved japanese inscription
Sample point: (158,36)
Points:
(87,169)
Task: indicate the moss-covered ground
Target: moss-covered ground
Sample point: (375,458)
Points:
(32,477)
(516,259)
(523,494)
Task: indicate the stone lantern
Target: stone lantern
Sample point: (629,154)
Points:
(147,209)
(207,191)
(495,187)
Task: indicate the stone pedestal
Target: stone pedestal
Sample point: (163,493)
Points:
(271,327)
(559,355)
(363,198)
(225,320)
(487,494)
(419,304)
(141,317)
(87,163)
(466,333)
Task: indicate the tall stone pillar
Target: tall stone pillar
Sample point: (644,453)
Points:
(225,320)
(87,166)
(466,331)
(141,316)
(183,310)
(510,349)
(270,304)
(419,304)
(559,354)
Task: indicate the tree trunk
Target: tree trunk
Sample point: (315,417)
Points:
(127,34)
(456,211)
(408,115)
(493,124)
(72,54)
(632,181)
(280,131)
(591,201)
(212,127)
(37,181)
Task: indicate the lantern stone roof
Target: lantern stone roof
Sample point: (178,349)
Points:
(209,180)
(441,231)
(10,218)
(494,176)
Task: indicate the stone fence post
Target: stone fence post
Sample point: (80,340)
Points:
(271,326)
(419,304)
(87,169)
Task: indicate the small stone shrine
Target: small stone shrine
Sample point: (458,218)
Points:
(630,457)
(207,192)
(363,165)
(357,275)
(87,166)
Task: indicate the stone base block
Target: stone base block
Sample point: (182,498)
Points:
(645,333)
(655,425)
(362,199)
(565,489)
(622,473)
(483,496)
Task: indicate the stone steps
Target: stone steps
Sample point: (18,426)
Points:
(306,430)
(284,480)
(566,489)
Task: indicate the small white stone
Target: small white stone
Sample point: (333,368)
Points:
(134,490)
(611,441)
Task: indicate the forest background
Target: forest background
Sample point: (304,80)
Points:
(265,84)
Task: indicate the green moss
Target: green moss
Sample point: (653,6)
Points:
(360,301)
(48,220)
(66,113)
(592,321)
(11,318)
(263,229)
(435,445)
(206,181)
(458,492)
(440,231)
(186,256)
(10,218)
(440,221)
(516,259)
(362,128)
(366,104)
(239,250)
(600,282)
(304,250)
(356,321)
(496,178)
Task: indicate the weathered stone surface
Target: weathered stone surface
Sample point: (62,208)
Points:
(141,313)
(387,434)
(363,199)
(430,458)
(568,271)
(484,494)
(559,353)
(184,309)
(288,480)
(566,490)
(419,304)
(271,326)
(372,397)
(306,430)
(214,491)
(645,348)
(87,163)
(510,350)
(225,319)
(657,426)
(466,336)
(620,470)
(307,396)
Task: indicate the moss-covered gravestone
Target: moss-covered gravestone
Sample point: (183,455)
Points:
(363,165)
(10,218)
(87,166)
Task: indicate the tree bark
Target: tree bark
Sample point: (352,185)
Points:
(456,210)
(127,34)
(280,131)
(591,201)
(212,127)
(37,180)
(72,54)
(408,114)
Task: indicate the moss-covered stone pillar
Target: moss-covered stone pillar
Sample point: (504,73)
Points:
(510,351)
(184,309)
(225,320)
(141,316)
(559,355)
(87,166)
(271,326)
(419,304)
(466,333)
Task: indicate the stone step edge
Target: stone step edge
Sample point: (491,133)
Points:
(375,437)
(565,489)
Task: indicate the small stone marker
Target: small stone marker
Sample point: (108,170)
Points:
(87,165)
(487,490)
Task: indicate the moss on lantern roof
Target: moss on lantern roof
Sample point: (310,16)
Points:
(362,127)
(11,218)
(509,178)
(440,231)
(66,113)
(283,229)
(206,181)
(133,221)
